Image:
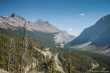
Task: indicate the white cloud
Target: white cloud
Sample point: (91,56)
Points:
(82,14)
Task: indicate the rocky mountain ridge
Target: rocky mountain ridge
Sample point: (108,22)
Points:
(97,35)
(18,22)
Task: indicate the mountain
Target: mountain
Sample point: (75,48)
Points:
(62,38)
(44,26)
(23,49)
(40,30)
(97,35)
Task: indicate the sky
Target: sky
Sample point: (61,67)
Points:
(72,16)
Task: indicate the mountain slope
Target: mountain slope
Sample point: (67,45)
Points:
(98,34)
(63,37)
(41,31)
(60,37)
(44,26)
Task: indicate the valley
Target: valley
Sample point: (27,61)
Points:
(27,47)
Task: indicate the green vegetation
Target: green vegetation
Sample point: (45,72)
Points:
(76,61)
(12,49)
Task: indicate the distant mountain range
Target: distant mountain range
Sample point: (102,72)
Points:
(97,36)
(40,30)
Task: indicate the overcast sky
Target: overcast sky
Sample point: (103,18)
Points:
(69,15)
